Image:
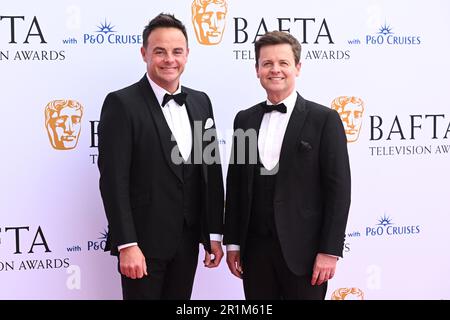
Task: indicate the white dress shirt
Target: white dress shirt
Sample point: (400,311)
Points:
(177,119)
(272,130)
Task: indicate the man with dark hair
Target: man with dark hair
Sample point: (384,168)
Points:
(286,212)
(159,208)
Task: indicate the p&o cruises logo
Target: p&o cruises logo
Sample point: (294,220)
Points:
(387,36)
(106,34)
(385,227)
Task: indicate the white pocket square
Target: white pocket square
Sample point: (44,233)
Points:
(209,123)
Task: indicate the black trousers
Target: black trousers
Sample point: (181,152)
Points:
(267,276)
(167,279)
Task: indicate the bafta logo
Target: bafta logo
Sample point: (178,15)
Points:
(351,110)
(63,123)
(347,294)
(208,17)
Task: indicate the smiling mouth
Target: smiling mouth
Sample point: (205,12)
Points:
(169,69)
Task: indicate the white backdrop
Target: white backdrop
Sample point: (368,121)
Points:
(52,223)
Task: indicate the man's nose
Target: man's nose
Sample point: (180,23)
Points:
(275,68)
(169,57)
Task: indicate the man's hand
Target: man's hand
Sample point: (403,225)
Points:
(132,262)
(213,260)
(324,268)
(234,263)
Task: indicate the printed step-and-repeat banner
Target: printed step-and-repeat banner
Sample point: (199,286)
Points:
(383,65)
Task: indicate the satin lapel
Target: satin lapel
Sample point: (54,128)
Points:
(161,125)
(254,122)
(196,120)
(292,135)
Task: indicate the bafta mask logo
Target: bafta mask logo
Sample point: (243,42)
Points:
(351,110)
(347,294)
(63,123)
(208,17)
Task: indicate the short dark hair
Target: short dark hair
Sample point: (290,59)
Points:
(278,37)
(163,20)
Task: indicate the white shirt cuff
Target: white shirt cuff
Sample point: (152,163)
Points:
(233,247)
(126,245)
(215,237)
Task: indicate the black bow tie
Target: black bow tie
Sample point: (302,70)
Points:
(275,107)
(179,98)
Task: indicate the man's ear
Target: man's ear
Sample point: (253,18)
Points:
(143,53)
(298,67)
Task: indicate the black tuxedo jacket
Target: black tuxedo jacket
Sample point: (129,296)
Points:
(312,190)
(140,185)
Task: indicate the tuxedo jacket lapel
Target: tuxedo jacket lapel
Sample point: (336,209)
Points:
(196,119)
(254,122)
(163,129)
